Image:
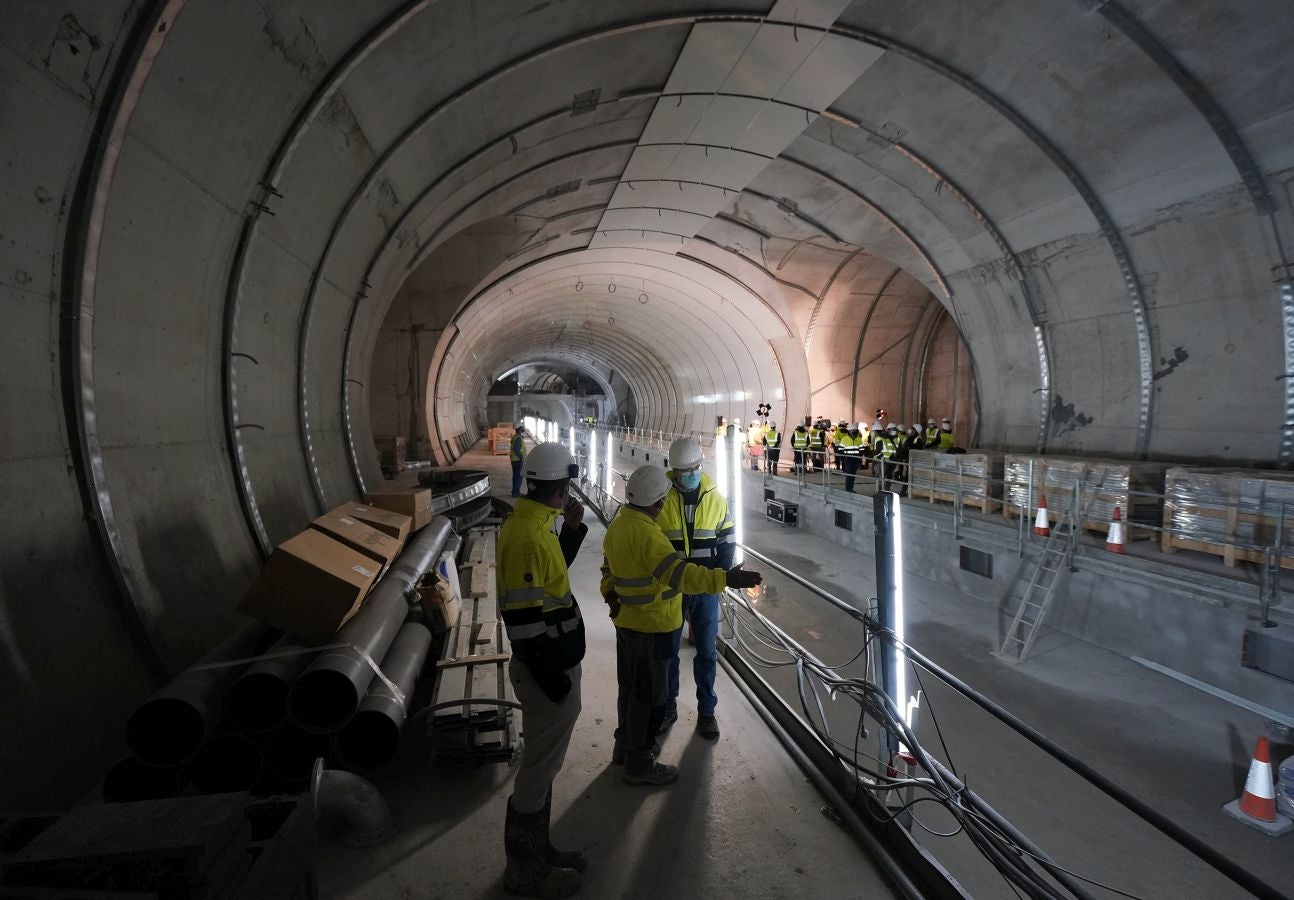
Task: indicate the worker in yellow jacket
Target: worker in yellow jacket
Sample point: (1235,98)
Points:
(547,635)
(643,581)
(696,520)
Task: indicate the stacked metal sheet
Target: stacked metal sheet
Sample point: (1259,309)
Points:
(1135,487)
(1233,512)
(941,475)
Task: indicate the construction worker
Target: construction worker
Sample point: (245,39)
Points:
(930,437)
(817,445)
(643,582)
(754,438)
(884,445)
(546,632)
(946,440)
(722,428)
(772,448)
(695,518)
(849,449)
(517,456)
(839,430)
(799,443)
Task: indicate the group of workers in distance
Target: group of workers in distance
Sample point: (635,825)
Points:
(884,446)
(667,556)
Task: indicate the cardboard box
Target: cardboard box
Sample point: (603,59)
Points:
(310,586)
(391,450)
(359,536)
(439,602)
(391,524)
(412,502)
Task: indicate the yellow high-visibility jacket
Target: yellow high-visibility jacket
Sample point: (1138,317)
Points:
(539,612)
(709,539)
(799,439)
(643,568)
(946,440)
(517,449)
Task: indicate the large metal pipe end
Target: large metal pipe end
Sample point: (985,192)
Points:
(166,731)
(258,702)
(369,740)
(131,780)
(227,763)
(291,751)
(323,700)
(353,805)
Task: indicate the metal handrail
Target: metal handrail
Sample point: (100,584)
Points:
(1144,811)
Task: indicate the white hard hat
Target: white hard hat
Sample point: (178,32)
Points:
(684,453)
(894,426)
(647,485)
(948,421)
(932,421)
(772,425)
(861,426)
(550,462)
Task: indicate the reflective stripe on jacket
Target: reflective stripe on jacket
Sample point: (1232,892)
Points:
(799,439)
(643,568)
(946,440)
(772,438)
(535,600)
(707,540)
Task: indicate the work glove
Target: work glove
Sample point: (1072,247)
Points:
(739,578)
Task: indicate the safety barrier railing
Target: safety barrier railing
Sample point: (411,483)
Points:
(1267,542)
(899,781)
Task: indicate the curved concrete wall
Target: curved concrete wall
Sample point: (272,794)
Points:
(209,208)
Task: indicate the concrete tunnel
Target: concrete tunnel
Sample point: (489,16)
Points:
(240,239)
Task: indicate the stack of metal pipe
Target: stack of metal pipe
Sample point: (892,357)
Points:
(260,708)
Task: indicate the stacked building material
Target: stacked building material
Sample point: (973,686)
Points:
(194,848)
(1233,513)
(1135,487)
(474,709)
(936,475)
(255,712)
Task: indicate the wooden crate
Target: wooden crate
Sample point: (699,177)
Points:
(1107,483)
(500,438)
(1231,513)
(935,475)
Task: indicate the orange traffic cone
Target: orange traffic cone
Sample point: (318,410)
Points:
(1257,805)
(1114,540)
(1040,524)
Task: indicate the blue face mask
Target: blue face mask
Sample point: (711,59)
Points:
(690,481)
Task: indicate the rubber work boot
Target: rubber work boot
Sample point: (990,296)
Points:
(657,774)
(707,727)
(528,873)
(562,859)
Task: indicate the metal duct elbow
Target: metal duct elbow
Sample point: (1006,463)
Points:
(358,808)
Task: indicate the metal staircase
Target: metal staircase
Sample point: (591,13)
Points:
(1055,560)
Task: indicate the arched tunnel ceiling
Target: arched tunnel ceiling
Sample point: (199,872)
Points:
(213,207)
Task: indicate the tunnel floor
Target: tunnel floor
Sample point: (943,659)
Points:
(757,822)
(742,818)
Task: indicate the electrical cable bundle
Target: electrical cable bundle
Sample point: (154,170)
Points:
(1023,865)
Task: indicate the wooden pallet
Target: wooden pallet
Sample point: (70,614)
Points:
(473,665)
(1232,517)
(983,504)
